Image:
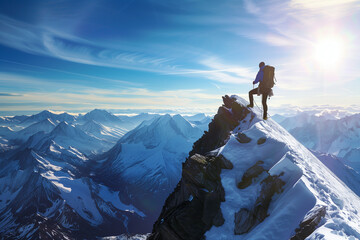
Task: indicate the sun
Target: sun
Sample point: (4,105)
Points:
(329,51)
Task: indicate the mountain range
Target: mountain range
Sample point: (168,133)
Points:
(338,135)
(89,176)
(231,176)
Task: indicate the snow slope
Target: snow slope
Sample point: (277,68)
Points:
(101,131)
(146,163)
(69,136)
(45,125)
(309,186)
(347,174)
(153,153)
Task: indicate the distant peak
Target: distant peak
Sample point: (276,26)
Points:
(96,110)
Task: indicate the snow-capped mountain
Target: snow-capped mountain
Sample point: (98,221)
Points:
(100,116)
(196,117)
(200,120)
(349,175)
(67,135)
(101,131)
(146,162)
(131,122)
(7,121)
(45,186)
(334,136)
(46,114)
(45,126)
(60,190)
(247,178)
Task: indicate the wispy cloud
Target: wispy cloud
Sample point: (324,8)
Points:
(9,94)
(54,43)
(114,80)
(77,97)
(218,70)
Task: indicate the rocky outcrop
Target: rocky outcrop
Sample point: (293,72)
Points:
(226,119)
(242,138)
(247,219)
(251,174)
(194,206)
(309,224)
(261,140)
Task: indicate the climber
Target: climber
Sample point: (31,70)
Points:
(261,89)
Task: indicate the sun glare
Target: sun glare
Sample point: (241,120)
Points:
(329,51)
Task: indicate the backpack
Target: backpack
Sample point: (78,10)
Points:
(269,75)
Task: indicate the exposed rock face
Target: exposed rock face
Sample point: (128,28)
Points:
(246,219)
(309,224)
(250,174)
(224,121)
(194,206)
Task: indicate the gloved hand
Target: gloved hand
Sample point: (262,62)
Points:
(253,82)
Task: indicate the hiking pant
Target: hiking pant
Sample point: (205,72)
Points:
(264,99)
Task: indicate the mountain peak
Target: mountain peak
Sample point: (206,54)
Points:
(248,177)
(162,130)
(100,115)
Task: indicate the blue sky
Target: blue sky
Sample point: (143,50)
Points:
(149,55)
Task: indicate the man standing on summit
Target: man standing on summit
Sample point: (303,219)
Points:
(265,77)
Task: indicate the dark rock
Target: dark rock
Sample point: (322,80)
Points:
(250,174)
(226,164)
(261,140)
(194,206)
(219,129)
(228,101)
(308,225)
(242,138)
(244,221)
(186,217)
(218,220)
(247,219)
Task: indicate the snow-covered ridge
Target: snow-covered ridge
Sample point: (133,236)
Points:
(273,187)
(312,187)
